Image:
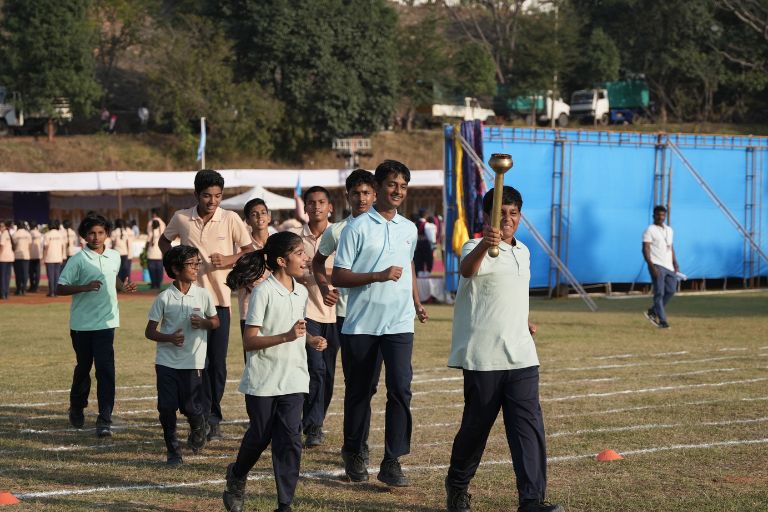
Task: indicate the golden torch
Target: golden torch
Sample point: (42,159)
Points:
(500,163)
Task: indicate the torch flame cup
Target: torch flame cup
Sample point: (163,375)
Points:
(500,163)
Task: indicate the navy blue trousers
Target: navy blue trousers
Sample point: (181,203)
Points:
(5,278)
(53,270)
(322,374)
(178,390)
(155,268)
(362,354)
(21,269)
(516,393)
(215,374)
(125,268)
(94,348)
(275,419)
(34,275)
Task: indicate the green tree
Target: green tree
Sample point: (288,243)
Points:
(331,62)
(46,47)
(474,71)
(191,77)
(602,61)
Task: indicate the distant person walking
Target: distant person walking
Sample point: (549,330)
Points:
(6,258)
(659,254)
(22,240)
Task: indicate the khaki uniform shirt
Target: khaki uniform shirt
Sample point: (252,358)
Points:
(53,242)
(22,240)
(219,235)
(6,249)
(153,249)
(122,242)
(316,310)
(36,248)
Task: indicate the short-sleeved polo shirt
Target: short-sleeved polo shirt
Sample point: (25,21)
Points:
(327,247)
(6,248)
(36,249)
(22,240)
(94,310)
(54,246)
(490,316)
(220,234)
(280,369)
(660,240)
(371,244)
(316,309)
(172,311)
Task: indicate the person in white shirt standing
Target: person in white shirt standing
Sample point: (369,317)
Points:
(659,254)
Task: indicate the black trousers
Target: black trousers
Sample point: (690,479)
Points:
(177,390)
(125,268)
(215,374)
(362,353)
(275,419)
(34,275)
(94,348)
(322,374)
(516,393)
(52,270)
(5,278)
(345,363)
(155,268)
(21,269)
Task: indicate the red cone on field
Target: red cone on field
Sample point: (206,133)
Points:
(7,498)
(608,454)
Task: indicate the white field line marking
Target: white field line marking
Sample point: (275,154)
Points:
(654,426)
(697,372)
(653,390)
(335,474)
(632,365)
(763,348)
(647,407)
(733,349)
(617,356)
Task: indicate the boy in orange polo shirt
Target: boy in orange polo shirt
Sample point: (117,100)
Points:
(214,232)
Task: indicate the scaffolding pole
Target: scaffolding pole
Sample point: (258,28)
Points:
(711,193)
(469,151)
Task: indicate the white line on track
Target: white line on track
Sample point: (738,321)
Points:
(336,474)
(733,349)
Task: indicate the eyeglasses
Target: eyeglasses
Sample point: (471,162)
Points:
(196,264)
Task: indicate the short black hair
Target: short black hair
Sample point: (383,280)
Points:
(388,167)
(53,224)
(208,178)
(312,190)
(66,223)
(94,219)
(253,203)
(659,208)
(359,177)
(509,195)
(176,256)
(32,224)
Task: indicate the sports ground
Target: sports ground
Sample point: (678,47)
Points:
(686,407)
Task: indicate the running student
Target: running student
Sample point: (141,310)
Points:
(492,342)
(184,312)
(257,219)
(214,232)
(375,260)
(361,194)
(91,277)
(321,320)
(275,378)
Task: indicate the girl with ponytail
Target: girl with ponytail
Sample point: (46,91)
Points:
(275,378)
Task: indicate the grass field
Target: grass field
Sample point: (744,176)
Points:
(686,407)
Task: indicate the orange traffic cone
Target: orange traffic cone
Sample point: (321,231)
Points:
(6,498)
(608,455)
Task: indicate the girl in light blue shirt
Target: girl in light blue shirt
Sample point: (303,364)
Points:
(275,378)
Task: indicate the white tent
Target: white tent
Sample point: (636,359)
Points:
(274,201)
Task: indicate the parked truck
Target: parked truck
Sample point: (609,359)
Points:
(13,119)
(543,106)
(470,110)
(619,102)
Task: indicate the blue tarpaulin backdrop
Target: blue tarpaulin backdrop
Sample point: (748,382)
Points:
(609,197)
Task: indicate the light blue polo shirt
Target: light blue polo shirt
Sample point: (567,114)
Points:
(490,315)
(280,369)
(96,310)
(328,244)
(172,311)
(372,244)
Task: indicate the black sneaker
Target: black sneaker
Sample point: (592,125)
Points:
(539,506)
(103,431)
(234,493)
(214,432)
(314,437)
(457,499)
(196,439)
(174,459)
(663,325)
(76,417)
(650,315)
(391,474)
(283,508)
(354,466)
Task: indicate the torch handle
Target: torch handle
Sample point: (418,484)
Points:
(498,190)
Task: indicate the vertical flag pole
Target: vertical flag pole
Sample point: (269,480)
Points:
(201,147)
